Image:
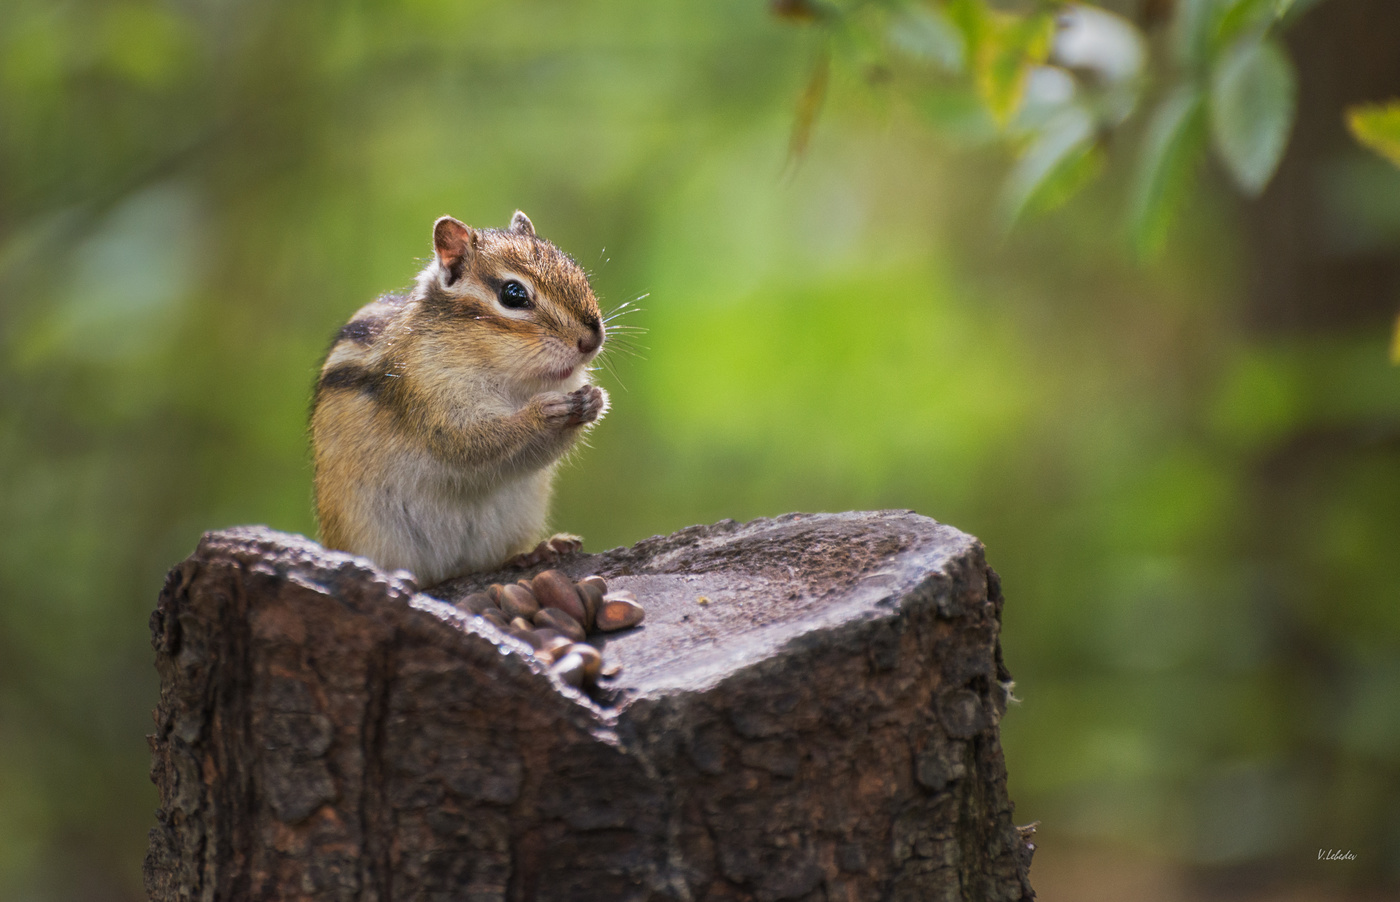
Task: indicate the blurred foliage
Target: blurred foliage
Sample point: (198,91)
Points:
(1056,79)
(1197,524)
(1378,127)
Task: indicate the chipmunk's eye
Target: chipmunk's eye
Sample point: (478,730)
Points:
(515,296)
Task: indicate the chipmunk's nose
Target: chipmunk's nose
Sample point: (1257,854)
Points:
(594,340)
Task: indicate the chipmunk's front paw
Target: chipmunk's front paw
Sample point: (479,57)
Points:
(574,409)
(588,404)
(548,551)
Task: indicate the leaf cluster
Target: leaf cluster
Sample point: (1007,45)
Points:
(1058,82)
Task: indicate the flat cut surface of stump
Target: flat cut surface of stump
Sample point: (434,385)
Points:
(809,711)
(721,597)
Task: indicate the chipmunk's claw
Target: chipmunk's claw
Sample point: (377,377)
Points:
(548,551)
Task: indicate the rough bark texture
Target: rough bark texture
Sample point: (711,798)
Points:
(821,726)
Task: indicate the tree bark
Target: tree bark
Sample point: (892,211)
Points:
(808,712)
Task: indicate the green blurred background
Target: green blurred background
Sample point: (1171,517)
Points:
(1187,471)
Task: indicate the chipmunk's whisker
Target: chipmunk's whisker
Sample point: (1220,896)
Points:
(611,369)
(624,308)
(626,346)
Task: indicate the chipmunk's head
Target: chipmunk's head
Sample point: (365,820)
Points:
(525,308)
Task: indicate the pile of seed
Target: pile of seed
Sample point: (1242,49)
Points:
(554,615)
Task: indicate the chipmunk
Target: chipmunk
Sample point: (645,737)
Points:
(440,414)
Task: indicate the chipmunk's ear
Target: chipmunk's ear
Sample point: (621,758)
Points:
(520,224)
(454,242)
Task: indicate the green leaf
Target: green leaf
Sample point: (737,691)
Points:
(1203,28)
(1176,138)
(1240,19)
(926,33)
(1377,126)
(1002,48)
(967,16)
(1192,29)
(1009,48)
(1395,344)
(1055,165)
(1252,101)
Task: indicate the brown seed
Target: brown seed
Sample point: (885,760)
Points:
(520,623)
(619,612)
(610,670)
(557,641)
(494,590)
(555,590)
(476,603)
(518,602)
(592,659)
(527,635)
(500,620)
(570,669)
(591,590)
(557,646)
(555,619)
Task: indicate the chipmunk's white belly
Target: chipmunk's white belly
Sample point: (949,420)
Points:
(426,520)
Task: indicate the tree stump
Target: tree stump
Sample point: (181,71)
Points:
(808,712)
